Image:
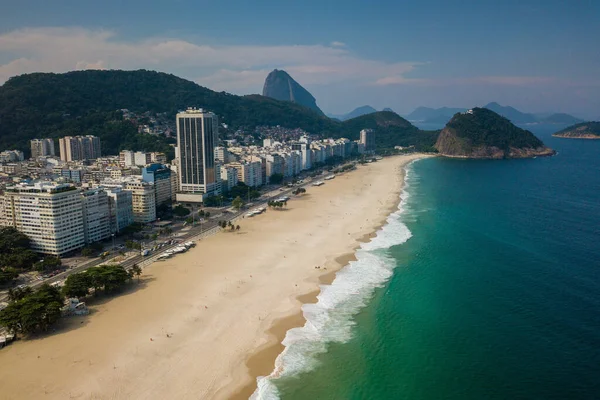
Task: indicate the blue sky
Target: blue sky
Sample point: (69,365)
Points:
(535,55)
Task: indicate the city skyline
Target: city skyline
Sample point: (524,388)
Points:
(536,56)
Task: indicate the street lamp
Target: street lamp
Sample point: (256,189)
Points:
(113,240)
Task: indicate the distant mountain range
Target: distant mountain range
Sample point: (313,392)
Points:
(426,114)
(357,112)
(444,114)
(279,85)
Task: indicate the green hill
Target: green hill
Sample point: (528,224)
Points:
(86,102)
(391,130)
(481,133)
(584,130)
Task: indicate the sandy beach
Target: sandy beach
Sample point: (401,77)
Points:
(206,323)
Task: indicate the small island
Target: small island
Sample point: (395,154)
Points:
(481,133)
(584,130)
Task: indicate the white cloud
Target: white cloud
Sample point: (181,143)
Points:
(232,68)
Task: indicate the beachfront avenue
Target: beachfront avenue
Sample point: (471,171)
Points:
(196,232)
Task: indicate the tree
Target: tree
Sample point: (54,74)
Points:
(130,244)
(14,250)
(276,179)
(189,220)
(19,293)
(237,228)
(136,270)
(237,203)
(7,275)
(154,236)
(35,312)
(167,231)
(181,211)
(49,263)
(77,285)
(87,252)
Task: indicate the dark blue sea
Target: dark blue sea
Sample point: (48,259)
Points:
(484,285)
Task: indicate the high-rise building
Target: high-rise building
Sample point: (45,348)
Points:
(51,215)
(229,177)
(74,148)
(197,135)
(96,215)
(304,149)
(143,200)
(367,137)
(42,148)
(249,172)
(160,175)
(120,204)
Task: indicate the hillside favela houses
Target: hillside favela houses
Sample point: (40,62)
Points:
(68,199)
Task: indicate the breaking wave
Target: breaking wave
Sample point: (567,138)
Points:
(331,319)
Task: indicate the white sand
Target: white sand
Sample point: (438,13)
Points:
(216,302)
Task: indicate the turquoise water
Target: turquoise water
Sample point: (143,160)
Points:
(496,295)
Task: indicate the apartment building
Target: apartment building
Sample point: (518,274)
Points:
(249,172)
(229,177)
(42,148)
(96,215)
(74,148)
(120,207)
(160,176)
(143,201)
(50,214)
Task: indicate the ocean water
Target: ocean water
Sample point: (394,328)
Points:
(484,285)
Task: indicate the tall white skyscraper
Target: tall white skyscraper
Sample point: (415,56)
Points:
(197,135)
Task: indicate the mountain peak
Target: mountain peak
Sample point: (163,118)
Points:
(279,85)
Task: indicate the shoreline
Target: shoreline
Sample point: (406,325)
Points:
(204,322)
(261,362)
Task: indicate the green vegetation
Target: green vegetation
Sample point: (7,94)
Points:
(277,204)
(237,203)
(7,275)
(214,201)
(299,191)
(582,130)
(48,263)
(86,102)
(136,270)
(130,244)
(15,254)
(132,229)
(276,179)
(485,127)
(242,190)
(106,278)
(390,130)
(181,211)
(33,312)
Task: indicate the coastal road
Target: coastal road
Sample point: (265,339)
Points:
(203,229)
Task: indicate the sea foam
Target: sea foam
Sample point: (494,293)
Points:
(331,319)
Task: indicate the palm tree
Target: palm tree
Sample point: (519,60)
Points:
(136,270)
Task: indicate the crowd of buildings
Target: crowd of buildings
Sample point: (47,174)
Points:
(62,203)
